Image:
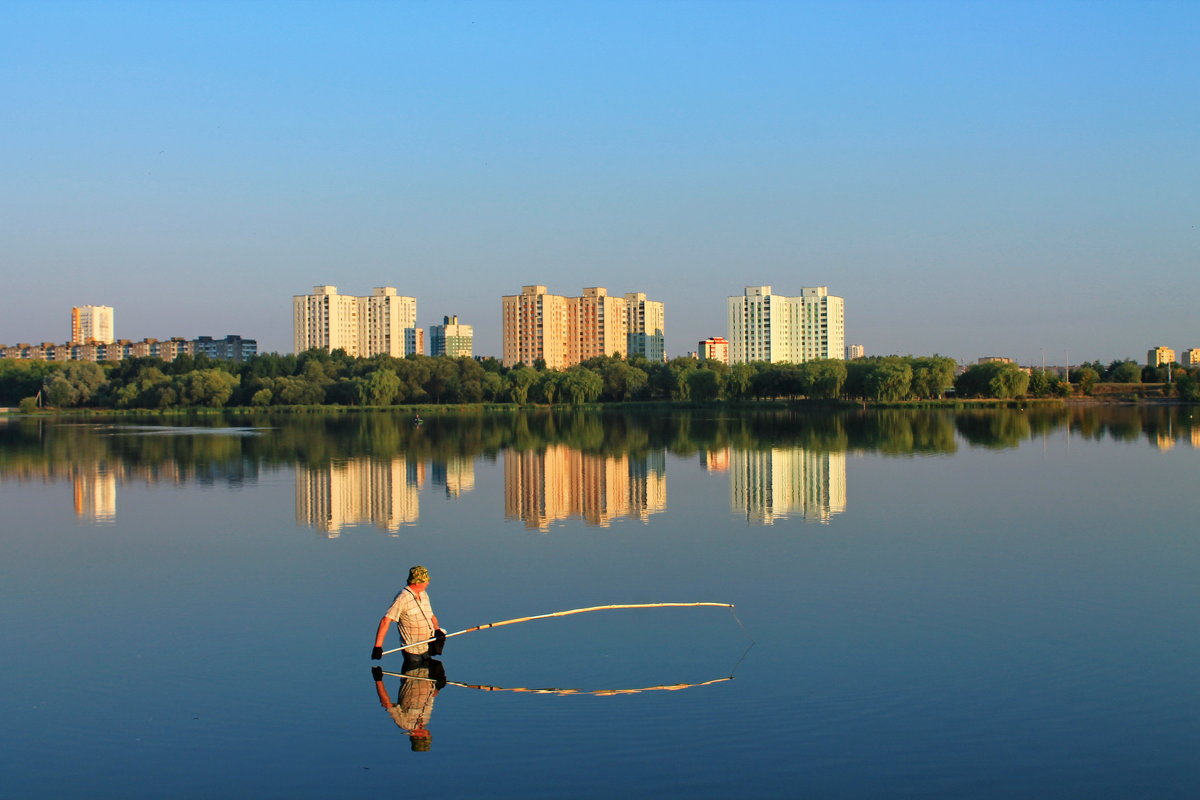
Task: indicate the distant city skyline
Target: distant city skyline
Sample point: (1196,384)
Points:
(412,339)
(973,179)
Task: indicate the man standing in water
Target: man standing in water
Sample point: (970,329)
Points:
(414,617)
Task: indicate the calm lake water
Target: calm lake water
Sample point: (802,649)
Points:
(928,604)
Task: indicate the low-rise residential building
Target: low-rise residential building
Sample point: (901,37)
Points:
(451,338)
(230,348)
(854,351)
(1190,357)
(715,348)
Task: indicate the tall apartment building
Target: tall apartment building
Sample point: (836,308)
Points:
(384,328)
(92,325)
(1158,356)
(769,327)
(534,325)
(362,326)
(563,331)
(451,338)
(854,351)
(715,348)
(645,324)
(597,325)
(1190,357)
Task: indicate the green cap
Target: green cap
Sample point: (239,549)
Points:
(418,574)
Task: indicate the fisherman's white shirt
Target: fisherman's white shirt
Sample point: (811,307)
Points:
(413,614)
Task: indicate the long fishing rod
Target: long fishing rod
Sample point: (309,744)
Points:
(674,687)
(557,614)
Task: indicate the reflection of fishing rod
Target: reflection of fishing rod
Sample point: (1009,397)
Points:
(594,692)
(558,614)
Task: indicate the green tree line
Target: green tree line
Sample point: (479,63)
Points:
(317,377)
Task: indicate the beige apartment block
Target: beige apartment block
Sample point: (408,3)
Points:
(1190,357)
(563,331)
(534,325)
(764,326)
(597,325)
(1160,355)
(91,325)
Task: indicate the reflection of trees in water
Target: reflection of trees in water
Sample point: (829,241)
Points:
(27,446)
(994,431)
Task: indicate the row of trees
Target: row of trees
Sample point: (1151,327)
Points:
(317,377)
(1127,371)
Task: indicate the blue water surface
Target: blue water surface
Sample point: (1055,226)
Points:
(927,605)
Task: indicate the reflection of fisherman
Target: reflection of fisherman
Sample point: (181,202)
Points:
(414,701)
(415,620)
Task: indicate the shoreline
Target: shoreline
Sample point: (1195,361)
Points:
(625,405)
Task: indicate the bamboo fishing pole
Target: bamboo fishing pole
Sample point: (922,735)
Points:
(674,687)
(558,614)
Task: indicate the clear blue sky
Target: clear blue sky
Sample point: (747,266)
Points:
(974,178)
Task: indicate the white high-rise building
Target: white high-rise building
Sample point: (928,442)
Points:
(362,326)
(770,327)
(92,325)
(388,315)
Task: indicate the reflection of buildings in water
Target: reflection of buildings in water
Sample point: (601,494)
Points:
(1195,436)
(774,484)
(359,491)
(456,475)
(715,460)
(96,494)
(94,482)
(648,484)
(1165,441)
(541,487)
